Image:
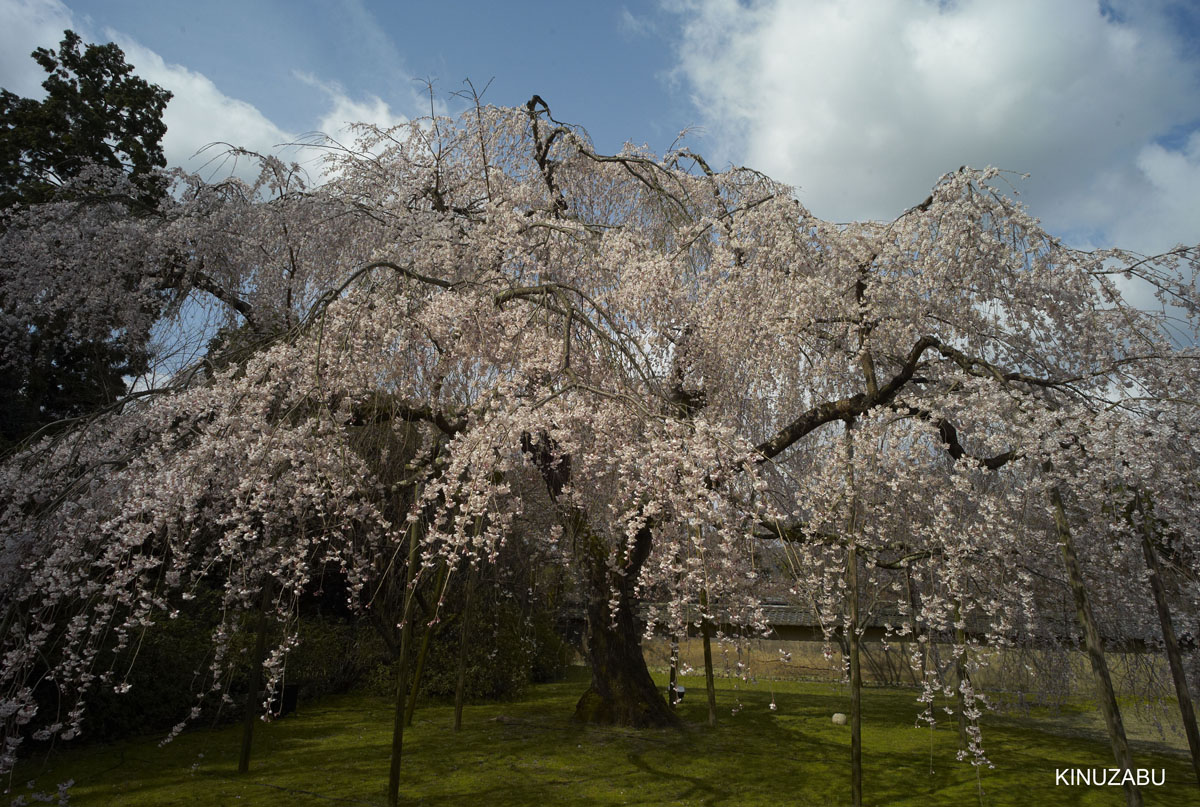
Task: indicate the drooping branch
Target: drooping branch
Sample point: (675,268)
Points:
(203,282)
(972,365)
(542,142)
(554,467)
(325,300)
(380,408)
(948,434)
(860,403)
(845,408)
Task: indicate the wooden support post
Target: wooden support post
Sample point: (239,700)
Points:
(852,640)
(852,637)
(423,652)
(706,633)
(1174,659)
(673,681)
(393,796)
(964,677)
(464,624)
(252,697)
(1094,646)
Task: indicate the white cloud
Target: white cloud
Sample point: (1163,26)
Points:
(863,105)
(1156,204)
(632,26)
(344,110)
(197,115)
(28,25)
(200,114)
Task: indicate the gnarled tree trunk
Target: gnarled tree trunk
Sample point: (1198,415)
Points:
(622,691)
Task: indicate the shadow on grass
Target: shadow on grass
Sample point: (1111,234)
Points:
(696,787)
(526,752)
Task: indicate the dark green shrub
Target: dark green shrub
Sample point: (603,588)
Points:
(166,669)
(551,654)
(509,646)
(333,655)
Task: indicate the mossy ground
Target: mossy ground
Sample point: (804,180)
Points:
(526,752)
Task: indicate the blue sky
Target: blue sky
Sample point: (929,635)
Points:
(860,105)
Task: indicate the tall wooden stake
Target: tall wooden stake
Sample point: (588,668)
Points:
(964,677)
(1168,630)
(1094,645)
(706,632)
(852,638)
(464,624)
(402,682)
(423,652)
(252,702)
(855,677)
(673,682)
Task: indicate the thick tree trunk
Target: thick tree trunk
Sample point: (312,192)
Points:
(622,691)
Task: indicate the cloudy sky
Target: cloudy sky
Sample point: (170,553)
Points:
(861,105)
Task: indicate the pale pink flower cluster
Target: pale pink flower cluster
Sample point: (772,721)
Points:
(479,323)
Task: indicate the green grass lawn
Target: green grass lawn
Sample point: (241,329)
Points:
(526,752)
